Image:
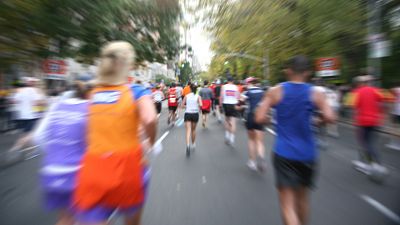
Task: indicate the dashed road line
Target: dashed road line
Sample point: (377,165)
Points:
(381,208)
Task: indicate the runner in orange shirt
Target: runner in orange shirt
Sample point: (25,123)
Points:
(114,174)
(187,89)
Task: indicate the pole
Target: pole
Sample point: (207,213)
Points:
(374,35)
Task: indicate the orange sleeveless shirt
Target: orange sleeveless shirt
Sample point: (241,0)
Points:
(111,173)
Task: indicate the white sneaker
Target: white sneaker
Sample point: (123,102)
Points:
(193,147)
(232,139)
(362,167)
(393,146)
(381,169)
(252,165)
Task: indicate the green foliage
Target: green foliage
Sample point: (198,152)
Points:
(186,73)
(161,77)
(286,28)
(80,27)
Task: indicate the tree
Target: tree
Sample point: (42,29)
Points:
(77,28)
(186,73)
(286,28)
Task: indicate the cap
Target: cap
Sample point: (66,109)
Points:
(250,80)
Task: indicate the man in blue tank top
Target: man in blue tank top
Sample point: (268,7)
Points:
(295,157)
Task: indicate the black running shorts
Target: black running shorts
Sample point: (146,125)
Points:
(251,124)
(191,117)
(290,173)
(172,108)
(230,110)
(158,107)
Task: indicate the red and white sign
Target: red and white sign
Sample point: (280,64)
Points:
(327,67)
(54,67)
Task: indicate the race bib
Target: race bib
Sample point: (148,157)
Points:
(230,93)
(106,97)
(172,100)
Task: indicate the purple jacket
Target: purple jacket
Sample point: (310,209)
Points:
(63,140)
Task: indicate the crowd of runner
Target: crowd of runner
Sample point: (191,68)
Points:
(101,127)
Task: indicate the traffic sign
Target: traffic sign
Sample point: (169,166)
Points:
(327,67)
(54,67)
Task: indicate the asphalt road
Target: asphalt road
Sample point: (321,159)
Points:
(214,186)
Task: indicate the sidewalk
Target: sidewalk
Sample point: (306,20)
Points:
(10,158)
(387,128)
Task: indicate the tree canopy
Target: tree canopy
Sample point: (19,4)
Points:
(78,28)
(281,29)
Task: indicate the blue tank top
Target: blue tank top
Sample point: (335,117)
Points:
(254,96)
(295,139)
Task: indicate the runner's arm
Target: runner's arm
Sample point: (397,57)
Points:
(199,100)
(148,117)
(270,99)
(261,114)
(184,102)
(221,96)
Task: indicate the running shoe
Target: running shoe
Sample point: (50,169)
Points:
(187,151)
(193,147)
(252,165)
(363,167)
(261,164)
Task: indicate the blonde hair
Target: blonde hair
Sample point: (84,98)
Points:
(116,61)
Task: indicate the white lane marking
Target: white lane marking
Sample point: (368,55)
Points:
(29,148)
(179,122)
(157,148)
(387,212)
(271,131)
(113,217)
(162,137)
(31,157)
(203,180)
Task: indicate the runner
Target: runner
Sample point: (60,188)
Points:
(172,104)
(114,175)
(229,99)
(206,96)
(61,134)
(179,93)
(255,131)
(333,100)
(295,157)
(28,99)
(193,103)
(212,87)
(158,97)
(217,96)
(187,89)
(368,117)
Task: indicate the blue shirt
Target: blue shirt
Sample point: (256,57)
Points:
(139,91)
(295,139)
(254,96)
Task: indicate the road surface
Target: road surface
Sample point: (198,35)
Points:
(214,186)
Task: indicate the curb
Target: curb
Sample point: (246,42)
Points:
(384,130)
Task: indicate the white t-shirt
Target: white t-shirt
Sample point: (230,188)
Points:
(25,100)
(158,96)
(192,103)
(333,98)
(230,94)
(179,91)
